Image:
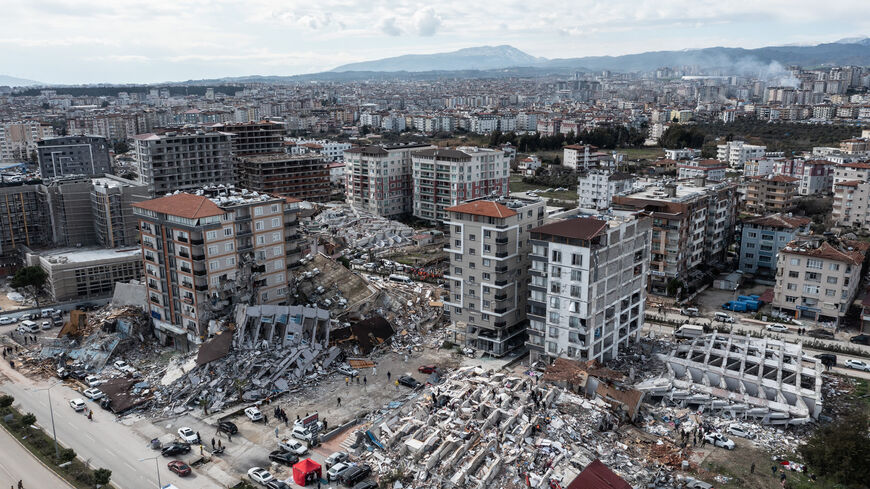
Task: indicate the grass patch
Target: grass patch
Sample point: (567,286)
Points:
(642,153)
(518,185)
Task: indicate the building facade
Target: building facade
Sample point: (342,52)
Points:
(712,170)
(736,153)
(379,179)
(770,193)
(112,200)
(24,221)
(73,155)
(203,253)
(304,177)
(588,287)
(816,176)
(69,205)
(18,139)
(762,237)
(183,161)
(489,244)
(818,277)
(445,177)
(596,188)
(87,273)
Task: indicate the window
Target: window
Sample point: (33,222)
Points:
(471,265)
(486,234)
(457,270)
(794,261)
(258,225)
(261,239)
(486,262)
(574,306)
(557,256)
(577,275)
(813,263)
(832,280)
(750,245)
(556,271)
(486,276)
(228,231)
(830,292)
(229,246)
(539,250)
(793,274)
(834,267)
(471,251)
(554,302)
(212,250)
(214,264)
(575,291)
(791,287)
(554,317)
(231,260)
(211,235)
(276,222)
(276,237)
(555,287)
(471,237)
(790,298)
(258,211)
(576,260)
(811,289)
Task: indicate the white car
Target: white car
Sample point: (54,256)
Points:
(259,474)
(738,430)
(188,435)
(78,404)
(254,414)
(777,328)
(334,458)
(124,367)
(293,446)
(347,370)
(7,320)
(92,381)
(93,393)
(857,365)
(336,470)
(719,441)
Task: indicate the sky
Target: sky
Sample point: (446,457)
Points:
(152,41)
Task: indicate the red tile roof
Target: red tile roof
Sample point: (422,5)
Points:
(182,205)
(485,208)
(829,252)
(849,183)
(780,221)
(598,476)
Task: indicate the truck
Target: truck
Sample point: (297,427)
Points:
(689,331)
(735,306)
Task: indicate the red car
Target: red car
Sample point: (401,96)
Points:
(179,468)
(426,369)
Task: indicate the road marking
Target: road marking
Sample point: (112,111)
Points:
(131,467)
(5,470)
(91,437)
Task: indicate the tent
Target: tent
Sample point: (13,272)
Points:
(306,471)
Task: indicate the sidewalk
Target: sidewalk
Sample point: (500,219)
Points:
(16,463)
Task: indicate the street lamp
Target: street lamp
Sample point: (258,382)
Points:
(51,410)
(156,466)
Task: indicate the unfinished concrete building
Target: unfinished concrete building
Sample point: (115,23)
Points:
(112,200)
(73,155)
(69,205)
(280,326)
(183,161)
(742,377)
(304,177)
(24,221)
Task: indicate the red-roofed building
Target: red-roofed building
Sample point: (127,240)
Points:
(233,245)
(598,476)
(816,176)
(488,277)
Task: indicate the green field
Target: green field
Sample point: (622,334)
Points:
(641,153)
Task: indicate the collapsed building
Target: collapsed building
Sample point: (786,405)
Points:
(741,377)
(360,229)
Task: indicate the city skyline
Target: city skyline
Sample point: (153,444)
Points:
(151,42)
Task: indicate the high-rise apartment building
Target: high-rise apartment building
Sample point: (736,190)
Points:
(18,139)
(588,286)
(770,193)
(112,200)
(254,137)
(69,207)
(73,155)
(763,237)
(379,178)
(489,244)
(691,224)
(203,252)
(24,221)
(736,153)
(304,177)
(185,161)
(447,177)
(596,188)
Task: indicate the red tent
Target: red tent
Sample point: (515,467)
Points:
(306,471)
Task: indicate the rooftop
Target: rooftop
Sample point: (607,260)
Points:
(85,255)
(683,191)
(779,221)
(485,208)
(182,205)
(848,252)
(577,228)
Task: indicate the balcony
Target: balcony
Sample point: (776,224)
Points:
(500,324)
(500,310)
(501,283)
(181,239)
(500,297)
(200,273)
(501,254)
(501,241)
(501,269)
(196,242)
(184,254)
(185,269)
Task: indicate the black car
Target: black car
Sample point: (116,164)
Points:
(828,359)
(409,381)
(228,427)
(821,333)
(175,448)
(366,485)
(355,474)
(861,339)
(106,403)
(276,484)
(86,306)
(79,374)
(283,457)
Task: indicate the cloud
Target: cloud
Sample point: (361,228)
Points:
(426,22)
(388,26)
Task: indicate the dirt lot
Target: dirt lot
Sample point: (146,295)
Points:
(711,300)
(736,464)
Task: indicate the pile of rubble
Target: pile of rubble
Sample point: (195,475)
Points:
(360,229)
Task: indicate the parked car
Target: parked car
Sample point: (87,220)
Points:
(78,374)
(293,446)
(857,365)
(821,333)
(828,359)
(355,474)
(78,404)
(175,448)
(409,381)
(366,485)
(692,483)
(336,471)
(276,484)
(259,474)
(721,316)
(334,458)
(254,414)
(719,440)
(7,320)
(124,367)
(46,325)
(690,311)
(777,328)
(861,339)
(179,467)
(347,370)
(92,381)
(93,393)
(283,457)
(228,427)
(188,435)
(427,369)
(738,430)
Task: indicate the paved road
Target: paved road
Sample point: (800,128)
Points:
(103,442)
(16,463)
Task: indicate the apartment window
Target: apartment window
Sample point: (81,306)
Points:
(553,332)
(554,317)
(750,245)
(276,222)
(276,237)
(793,274)
(258,225)
(753,235)
(457,270)
(832,280)
(794,261)
(790,298)
(830,292)
(791,287)
(472,251)
(576,260)
(811,289)
(574,306)
(577,275)
(261,239)
(834,267)
(748,255)
(575,291)
(556,271)
(554,302)
(457,242)
(231,260)
(486,289)
(471,265)
(555,287)
(274,207)
(574,322)
(471,237)
(486,248)
(229,246)
(471,292)
(486,262)
(767,237)
(487,234)
(457,309)
(228,231)
(486,276)
(258,211)
(211,235)
(813,263)
(212,250)
(557,256)
(214,264)
(539,250)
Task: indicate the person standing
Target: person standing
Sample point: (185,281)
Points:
(338,401)
(752,468)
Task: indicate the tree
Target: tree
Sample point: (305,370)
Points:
(28,419)
(6,401)
(840,450)
(121,147)
(675,286)
(67,454)
(102,476)
(30,280)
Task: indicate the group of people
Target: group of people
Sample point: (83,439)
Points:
(280,414)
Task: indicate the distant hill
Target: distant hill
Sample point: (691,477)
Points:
(12,81)
(477,58)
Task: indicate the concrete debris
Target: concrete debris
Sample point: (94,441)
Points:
(360,229)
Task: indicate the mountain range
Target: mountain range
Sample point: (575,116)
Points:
(12,81)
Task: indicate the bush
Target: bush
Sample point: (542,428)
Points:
(447,345)
(6,401)
(840,450)
(102,476)
(28,419)
(67,454)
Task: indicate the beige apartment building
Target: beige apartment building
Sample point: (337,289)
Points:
(378,179)
(818,277)
(489,244)
(203,253)
(770,193)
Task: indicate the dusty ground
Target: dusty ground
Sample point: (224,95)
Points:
(711,299)
(736,466)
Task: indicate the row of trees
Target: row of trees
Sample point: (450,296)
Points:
(602,137)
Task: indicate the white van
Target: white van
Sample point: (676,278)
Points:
(29,326)
(689,331)
(395,277)
(721,316)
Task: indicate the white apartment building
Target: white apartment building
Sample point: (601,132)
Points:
(578,156)
(852,172)
(817,277)
(18,139)
(331,150)
(736,153)
(378,179)
(760,167)
(851,206)
(682,154)
(203,253)
(588,287)
(712,170)
(596,188)
(446,177)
